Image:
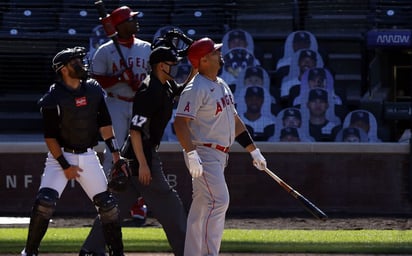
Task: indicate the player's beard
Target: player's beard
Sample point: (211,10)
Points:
(79,72)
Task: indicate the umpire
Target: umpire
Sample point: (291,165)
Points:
(152,110)
(74,113)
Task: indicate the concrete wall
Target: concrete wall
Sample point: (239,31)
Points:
(351,179)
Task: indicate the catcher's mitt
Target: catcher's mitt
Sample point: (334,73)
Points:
(117,179)
(171,39)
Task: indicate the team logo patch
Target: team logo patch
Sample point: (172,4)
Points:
(187,107)
(80,102)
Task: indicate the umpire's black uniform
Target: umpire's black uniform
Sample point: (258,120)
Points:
(152,110)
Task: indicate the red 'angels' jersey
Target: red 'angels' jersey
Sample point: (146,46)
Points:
(107,62)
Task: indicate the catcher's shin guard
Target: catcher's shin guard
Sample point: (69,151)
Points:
(42,212)
(109,216)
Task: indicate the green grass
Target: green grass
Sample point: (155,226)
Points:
(12,240)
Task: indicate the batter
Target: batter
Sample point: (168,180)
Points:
(121,80)
(206,126)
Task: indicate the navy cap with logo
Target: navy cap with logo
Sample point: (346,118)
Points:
(359,116)
(254,91)
(301,37)
(291,112)
(254,71)
(237,34)
(318,93)
(316,72)
(307,54)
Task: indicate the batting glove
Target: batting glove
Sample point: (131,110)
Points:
(195,164)
(259,160)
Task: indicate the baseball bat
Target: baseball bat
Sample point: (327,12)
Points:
(308,205)
(109,28)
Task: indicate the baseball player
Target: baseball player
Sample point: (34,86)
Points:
(74,113)
(119,79)
(206,125)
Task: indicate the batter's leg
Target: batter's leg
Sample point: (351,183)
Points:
(208,210)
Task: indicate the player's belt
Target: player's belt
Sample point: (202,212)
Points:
(120,97)
(74,151)
(217,146)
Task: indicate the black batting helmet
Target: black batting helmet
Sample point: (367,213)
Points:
(63,57)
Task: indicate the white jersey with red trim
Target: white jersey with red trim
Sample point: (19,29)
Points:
(211,106)
(107,62)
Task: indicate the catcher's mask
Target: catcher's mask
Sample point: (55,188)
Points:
(63,57)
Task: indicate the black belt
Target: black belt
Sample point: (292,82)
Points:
(75,151)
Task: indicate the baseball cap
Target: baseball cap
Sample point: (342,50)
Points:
(121,14)
(359,116)
(316,72)
(318,93)
(201,48)
(254,91)
(253,71)
(289,131)
(291,112)
(301,37)
(237,34)
(161,54)
(307,54)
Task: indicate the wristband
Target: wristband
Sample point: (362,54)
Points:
(244,139)
(63,162)
(112,144)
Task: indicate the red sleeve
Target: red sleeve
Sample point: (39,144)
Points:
(106,81)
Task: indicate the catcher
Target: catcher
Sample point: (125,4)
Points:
(152,110)
(74,113)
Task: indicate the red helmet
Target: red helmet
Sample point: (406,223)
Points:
(121,14)
(200,48)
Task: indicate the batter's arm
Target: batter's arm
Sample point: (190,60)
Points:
(181,125)
(240,128)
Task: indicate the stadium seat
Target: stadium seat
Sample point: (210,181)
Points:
(82,4)
(199,22)
(151,19)
(269,19)
(19,21)
(78,22)
(391,14)
(32,4)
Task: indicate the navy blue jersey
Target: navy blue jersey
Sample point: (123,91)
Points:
(74,117)
(152,109)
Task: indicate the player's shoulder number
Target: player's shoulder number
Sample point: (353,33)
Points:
(138,120)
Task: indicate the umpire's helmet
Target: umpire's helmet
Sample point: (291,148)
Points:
(64,56)
(201,48)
